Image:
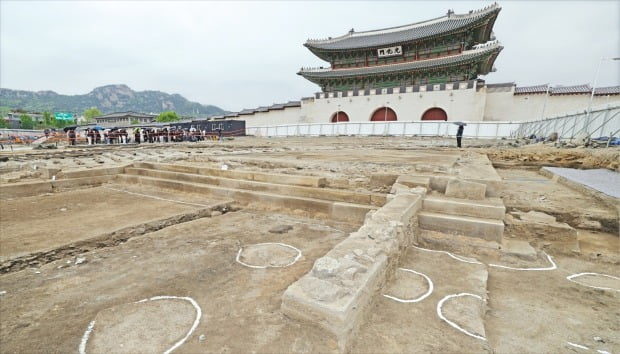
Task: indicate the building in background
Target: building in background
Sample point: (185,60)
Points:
(452,48)
(123,119)
(428,70)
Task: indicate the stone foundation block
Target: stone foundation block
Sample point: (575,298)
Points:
(465,190)
(381,180)
(351,212)
(338,292)
(414,181)
(492,208)
(487,229)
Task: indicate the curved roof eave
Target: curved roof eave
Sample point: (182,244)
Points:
(412,32)
(492,50)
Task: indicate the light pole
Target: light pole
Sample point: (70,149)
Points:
(594,88)
(542,114)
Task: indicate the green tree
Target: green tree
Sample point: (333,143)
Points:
(167,117)
(90,113)
(135,121)
(60,123)
(4,111)
(26,122)
(3,123)
(47,119)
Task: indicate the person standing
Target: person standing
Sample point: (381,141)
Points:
(71,137)
(459,135)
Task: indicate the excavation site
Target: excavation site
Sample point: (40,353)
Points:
(310,245)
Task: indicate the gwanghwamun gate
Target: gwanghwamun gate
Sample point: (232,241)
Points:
(428,72)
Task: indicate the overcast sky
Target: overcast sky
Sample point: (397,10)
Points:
(239,55)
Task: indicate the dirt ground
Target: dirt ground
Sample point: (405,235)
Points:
(48,306)
(35,224)
(50,310)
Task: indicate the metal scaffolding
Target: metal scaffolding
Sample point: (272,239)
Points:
(600,123)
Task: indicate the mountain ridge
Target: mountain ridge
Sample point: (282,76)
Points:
(108,99)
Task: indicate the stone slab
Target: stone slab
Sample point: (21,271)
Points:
(338,292)
(94,172)
(308,181)
(466,190)
(599,183)
(601,180)
(379,180)
(354,213)
(334,307)
(519,248)
(458,244)
(374,199)
(487,229)
(491,208)
(414,181)
(348,211)
(439,183)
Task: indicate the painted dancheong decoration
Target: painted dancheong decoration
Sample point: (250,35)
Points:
(451,48)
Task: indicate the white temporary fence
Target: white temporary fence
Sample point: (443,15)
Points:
(477,130)
(601,122)
(18,132)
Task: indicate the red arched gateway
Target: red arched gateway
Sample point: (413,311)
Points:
(383,114)
(339,116)
(435,114)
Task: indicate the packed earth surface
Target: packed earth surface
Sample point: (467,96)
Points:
(150,260)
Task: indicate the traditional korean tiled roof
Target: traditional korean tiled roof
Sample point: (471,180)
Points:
(531,89)
(293,104)
(246,111)
(467,56)
(502,87)
(567,90)
(275,106)
(611,90)
(571,90)
(407,33)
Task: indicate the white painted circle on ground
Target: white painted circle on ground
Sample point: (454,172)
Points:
(416,286)
(453,256)
(464,311)
(268,255)
(596,281)
(132,317)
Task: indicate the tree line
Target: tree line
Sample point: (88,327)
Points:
(50,121)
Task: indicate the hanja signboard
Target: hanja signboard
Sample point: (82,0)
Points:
(389,51)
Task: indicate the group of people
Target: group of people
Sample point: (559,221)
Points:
(107,136)
(143,135)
